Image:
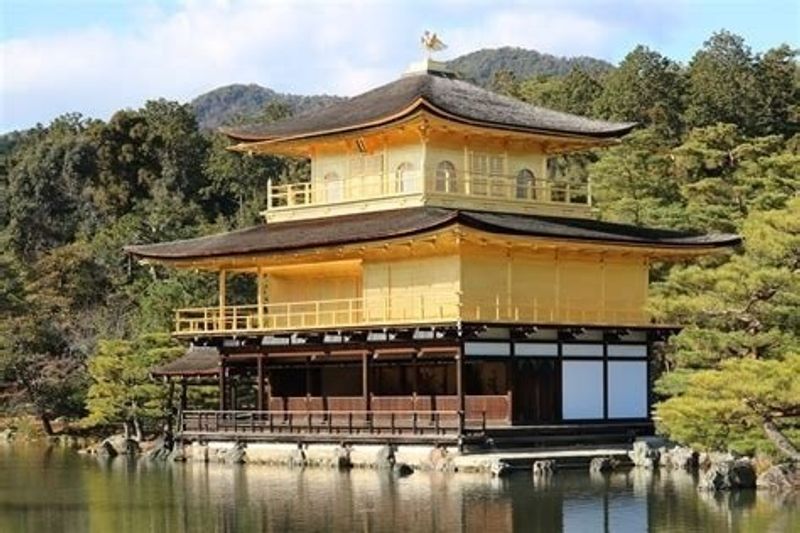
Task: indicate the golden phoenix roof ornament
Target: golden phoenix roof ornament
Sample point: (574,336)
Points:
(431,43)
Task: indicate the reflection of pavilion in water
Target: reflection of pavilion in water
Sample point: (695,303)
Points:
(200,497)
(281,499)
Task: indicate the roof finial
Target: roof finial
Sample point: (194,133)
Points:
(431,43)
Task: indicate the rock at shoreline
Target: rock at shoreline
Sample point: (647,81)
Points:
(780,477)
(602,465)
(402,470)
(499,469)
(643,455)
(679,457)
(343,460)
(178,453)
(384,458)
(106,450)
(233,455)
(299,459)
(544,468)
(439,460)
(708,459)
(729,475)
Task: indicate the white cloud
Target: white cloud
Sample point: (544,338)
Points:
(547,30)
(306,47)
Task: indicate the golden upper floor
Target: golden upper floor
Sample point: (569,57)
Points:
(428,139)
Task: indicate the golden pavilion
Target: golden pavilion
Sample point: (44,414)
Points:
(435,279)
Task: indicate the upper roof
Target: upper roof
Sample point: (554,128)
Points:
(375,226)
(438,93)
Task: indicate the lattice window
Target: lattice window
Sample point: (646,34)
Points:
(445,177)
(483,167)
(366,165)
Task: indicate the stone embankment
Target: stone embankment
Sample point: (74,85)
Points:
(715,471)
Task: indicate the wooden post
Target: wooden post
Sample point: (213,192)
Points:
(222,298)
(308,380)
(222,385)
(260,396)
(365,378)
(183,394)
(260,298)
(460,390)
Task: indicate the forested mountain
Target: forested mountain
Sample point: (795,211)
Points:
(481,67)
(238,101)
(234,102)
(717,150)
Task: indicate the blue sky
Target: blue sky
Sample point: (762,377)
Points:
(96,56)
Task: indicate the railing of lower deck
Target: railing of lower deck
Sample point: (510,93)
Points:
(336,422)
(471,185)
(412,309)
(323,422)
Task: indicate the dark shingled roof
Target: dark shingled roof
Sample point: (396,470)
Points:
(348,229)
(439,94)
(197,361)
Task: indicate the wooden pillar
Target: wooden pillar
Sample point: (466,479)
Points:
(170,393)
(184,392)
(415,377)
(222,297)
(260,299)
(460,390)
(222,385)
(308,377)
(365,357)
(232,388)
(260,396)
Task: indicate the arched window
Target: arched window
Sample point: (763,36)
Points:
(334,187)
(445,177)
(526,181)
(404,177)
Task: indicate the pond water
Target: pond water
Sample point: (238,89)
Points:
(54,489)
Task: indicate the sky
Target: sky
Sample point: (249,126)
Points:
(97,56)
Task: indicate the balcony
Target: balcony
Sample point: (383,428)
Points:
(499,192)
(417,309)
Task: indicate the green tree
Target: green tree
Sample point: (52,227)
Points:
(723,85)
(647,88)
(742,308)
(746,405)
(121,390)
(574,93)
(505,82)
(633,183)
(777,73)
(46,179)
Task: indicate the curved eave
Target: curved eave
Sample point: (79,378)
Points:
(252,141)
(675,247)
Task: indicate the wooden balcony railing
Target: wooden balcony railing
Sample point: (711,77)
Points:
(430,307)
(242,423)
(385,418)
(406,310)
(471,185)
